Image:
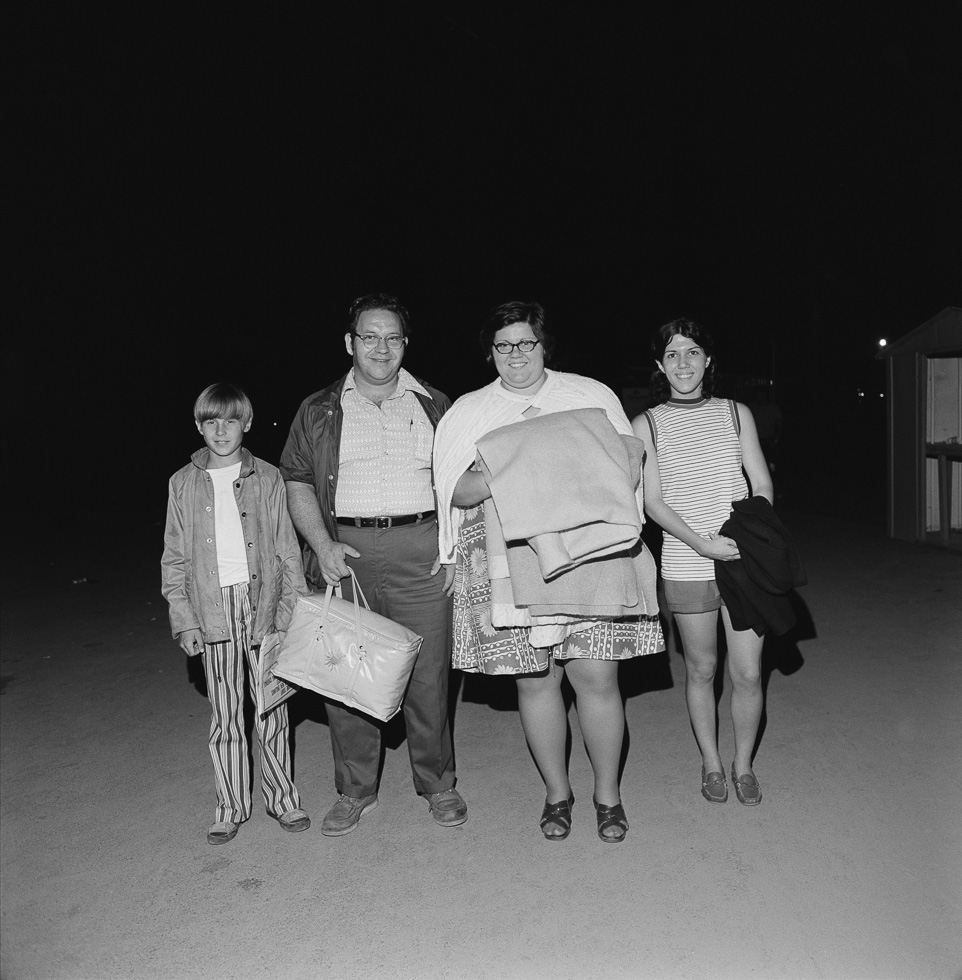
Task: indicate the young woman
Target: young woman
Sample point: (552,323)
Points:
(704,447)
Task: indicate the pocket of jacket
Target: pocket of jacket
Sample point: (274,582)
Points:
(278,578)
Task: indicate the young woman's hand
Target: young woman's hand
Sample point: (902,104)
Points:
(719,548)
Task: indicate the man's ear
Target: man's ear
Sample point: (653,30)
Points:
(349,343)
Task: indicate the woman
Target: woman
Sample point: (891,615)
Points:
(516,343)
(703,449)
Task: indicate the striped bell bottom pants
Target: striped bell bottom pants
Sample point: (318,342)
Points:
(224,665)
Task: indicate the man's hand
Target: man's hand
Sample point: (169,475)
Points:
(191,642)
(720,548)
(331,557)
(448,587)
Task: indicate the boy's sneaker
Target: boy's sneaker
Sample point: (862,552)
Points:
(222,832)
(342,818)
(294,821)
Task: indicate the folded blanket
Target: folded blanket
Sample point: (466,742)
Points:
(614,587)
(565,482)
(490,407)
(609,588)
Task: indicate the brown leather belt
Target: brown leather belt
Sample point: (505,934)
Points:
(382,522)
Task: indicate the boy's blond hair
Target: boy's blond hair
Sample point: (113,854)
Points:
(223,401)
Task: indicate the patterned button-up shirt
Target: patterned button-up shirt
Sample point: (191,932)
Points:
(385,456)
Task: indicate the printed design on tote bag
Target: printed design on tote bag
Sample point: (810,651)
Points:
(337,658)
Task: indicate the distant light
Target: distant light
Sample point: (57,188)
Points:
(275,423)
(883,342)
(881,394)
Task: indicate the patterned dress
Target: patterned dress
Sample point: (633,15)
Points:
(482,648)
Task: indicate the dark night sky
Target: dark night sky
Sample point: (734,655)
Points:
(205,193)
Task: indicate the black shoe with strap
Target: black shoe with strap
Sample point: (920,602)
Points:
(608,817)
(558,814)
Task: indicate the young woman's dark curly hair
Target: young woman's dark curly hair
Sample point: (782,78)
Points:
(660,389)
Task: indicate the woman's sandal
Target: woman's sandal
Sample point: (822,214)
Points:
(608,817)
(713,786)
(747,790)
(559,814)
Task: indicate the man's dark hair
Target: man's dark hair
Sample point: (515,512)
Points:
(378,301)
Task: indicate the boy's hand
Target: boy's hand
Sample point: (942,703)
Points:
(191,642)
(331,558)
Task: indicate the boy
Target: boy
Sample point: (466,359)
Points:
(231,574)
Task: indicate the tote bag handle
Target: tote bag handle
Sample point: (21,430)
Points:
(331,589)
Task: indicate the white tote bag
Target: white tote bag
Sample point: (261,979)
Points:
(346,652)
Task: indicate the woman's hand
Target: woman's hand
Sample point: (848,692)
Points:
(719,548)
(471,489)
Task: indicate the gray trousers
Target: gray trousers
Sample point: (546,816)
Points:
(394,572)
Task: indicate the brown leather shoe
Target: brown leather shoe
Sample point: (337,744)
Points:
(747,790)
(342,818)
(448,808)
(713,786)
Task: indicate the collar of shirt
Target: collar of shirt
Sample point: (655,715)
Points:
(405,382)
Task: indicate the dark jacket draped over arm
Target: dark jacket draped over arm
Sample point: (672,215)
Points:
(755,586)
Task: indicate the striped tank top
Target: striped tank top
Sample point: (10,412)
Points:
(700,462)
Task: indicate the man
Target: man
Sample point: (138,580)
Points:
(358,469)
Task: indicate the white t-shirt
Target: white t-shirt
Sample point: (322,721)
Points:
(228,532)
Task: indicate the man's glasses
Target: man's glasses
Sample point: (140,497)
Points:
(370,340)
(525,346)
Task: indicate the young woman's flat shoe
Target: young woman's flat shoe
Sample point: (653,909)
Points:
(558,814)
(608,817)
(713,786)
(747,790)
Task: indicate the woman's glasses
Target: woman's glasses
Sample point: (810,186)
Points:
(525,346)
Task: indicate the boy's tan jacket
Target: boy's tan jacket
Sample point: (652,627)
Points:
(189,565)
